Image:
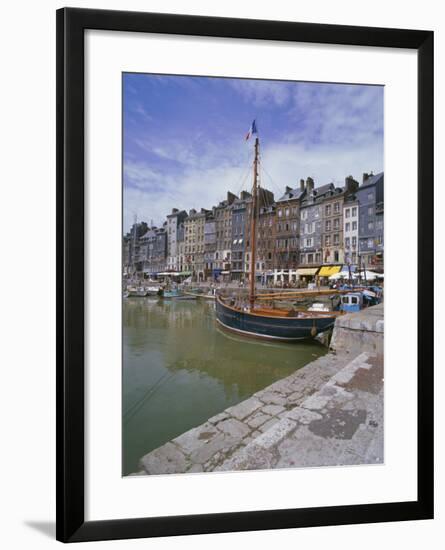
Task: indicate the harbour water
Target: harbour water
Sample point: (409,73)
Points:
(179,369)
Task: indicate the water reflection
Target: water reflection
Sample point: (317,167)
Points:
(179,369)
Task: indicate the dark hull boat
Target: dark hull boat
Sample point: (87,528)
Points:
(259,321)
(273,324)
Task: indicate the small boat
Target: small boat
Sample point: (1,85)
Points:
(200,296)
(170,294)
(355,301)
(138,292)
(153,290)
(257,320)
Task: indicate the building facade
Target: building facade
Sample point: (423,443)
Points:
(223,219)
(311,215)
(370,196)
(173,221)
(287,227)
(194,226)
(265,201)
(265,257)
(209,244)
(180,247)
(238,238)
(153,251)
(332,226)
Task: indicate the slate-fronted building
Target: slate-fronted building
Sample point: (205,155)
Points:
(238,238)
(370,196)
(311,216)
(209,244)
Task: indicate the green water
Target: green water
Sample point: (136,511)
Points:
(179,369)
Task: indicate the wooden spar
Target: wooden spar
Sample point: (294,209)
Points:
(253,229)
(303,294)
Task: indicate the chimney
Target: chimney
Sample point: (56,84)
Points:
(365,177)
(301,185)
(175,210)
(288,189)
(192,212)
(350,184)
(245,195)
(230,197)
(309,184)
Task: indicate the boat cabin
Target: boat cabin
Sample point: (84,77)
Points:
(351,302)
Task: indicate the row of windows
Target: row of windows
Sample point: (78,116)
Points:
(328,209)
(315,211)
(328,224)
(286,243)
(286,211)
(309,258)
(348,242)
(351,212)
(286,227)
(348,226)
(371,243)
(328,241)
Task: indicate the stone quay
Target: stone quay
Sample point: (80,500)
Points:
(328,413)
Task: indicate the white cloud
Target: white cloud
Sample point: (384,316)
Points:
(337,114)
(263,92)
(153,195)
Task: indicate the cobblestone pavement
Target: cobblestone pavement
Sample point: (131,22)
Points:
(328,413)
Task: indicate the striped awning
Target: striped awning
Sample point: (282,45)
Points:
(307,270)
(328,270)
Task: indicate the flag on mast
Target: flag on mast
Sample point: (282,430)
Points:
(252,130)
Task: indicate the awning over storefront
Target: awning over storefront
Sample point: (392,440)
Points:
(346,268)
(328,270)
(185,273)
(307,270)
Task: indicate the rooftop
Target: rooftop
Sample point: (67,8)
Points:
(371,180)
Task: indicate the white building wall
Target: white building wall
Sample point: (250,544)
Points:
(350,231)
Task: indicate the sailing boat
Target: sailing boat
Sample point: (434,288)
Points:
(256,320)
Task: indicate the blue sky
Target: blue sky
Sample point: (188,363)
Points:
(184,138)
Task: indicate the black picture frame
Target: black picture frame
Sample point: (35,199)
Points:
(71,24)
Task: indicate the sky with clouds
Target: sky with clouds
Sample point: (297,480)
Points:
(184,138)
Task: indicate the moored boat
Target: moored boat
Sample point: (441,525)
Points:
(200,296)
(171,294)
(272,323)
(260,321)
(139,292)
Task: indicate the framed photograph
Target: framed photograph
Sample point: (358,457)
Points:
(244,275)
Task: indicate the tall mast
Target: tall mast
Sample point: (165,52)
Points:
(253,227)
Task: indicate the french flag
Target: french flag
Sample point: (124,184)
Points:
(251,131)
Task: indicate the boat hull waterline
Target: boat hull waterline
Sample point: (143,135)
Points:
(286,329)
